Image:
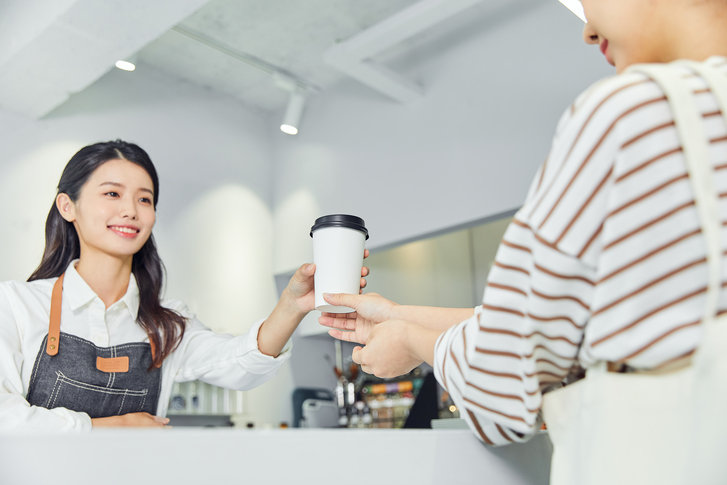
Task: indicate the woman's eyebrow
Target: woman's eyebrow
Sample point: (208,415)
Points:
(117,184)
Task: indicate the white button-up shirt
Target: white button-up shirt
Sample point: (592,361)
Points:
(222,360)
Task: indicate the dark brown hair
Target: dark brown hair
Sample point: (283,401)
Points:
(164,326)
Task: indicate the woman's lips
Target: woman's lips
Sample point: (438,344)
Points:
(125,231)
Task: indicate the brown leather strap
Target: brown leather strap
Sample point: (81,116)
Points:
(113,364)
(54,325)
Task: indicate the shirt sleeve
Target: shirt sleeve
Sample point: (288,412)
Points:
(16,414)
(526,335)
(233,362)
(523,339)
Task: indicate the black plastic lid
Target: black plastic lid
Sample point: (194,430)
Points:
(340,220)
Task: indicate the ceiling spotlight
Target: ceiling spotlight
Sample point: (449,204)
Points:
(293,113)
(125,65)
(576,7)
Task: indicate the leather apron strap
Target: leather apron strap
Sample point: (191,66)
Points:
(54,324)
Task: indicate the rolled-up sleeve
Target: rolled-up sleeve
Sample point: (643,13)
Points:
(452,370)
(224,360)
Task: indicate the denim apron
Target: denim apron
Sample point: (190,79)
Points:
(99,381)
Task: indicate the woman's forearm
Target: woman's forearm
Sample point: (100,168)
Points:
(279,326)
(435,318)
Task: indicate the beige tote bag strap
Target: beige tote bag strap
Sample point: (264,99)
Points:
(716,79)
(710,218)
(707,438)
(690,127)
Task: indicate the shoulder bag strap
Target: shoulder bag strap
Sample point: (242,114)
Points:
(690,128)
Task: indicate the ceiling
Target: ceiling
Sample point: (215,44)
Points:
(257,51)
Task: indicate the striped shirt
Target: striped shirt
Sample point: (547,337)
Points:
(605,261)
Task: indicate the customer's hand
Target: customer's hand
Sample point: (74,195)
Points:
(139,420)
(370,309)
(389,351)
(300,288)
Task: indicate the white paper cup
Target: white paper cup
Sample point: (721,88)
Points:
(338,247)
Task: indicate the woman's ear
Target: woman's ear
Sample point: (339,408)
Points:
(66,207)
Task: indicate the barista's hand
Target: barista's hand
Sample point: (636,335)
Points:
(390,350)
(300,287)
(145,420)
(371,309)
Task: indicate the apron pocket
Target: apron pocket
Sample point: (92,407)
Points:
(96,401)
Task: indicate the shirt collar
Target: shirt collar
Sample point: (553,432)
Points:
(77,293)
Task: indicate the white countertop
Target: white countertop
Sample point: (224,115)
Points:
(288,456)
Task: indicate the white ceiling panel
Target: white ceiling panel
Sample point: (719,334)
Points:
(234,47)
(75,46)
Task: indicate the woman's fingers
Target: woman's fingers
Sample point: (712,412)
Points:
(359,357)
(305,271)
(341,335)
(146,419)
(140,419)
(336,322)
(356,355)
(341,299)
(161,421)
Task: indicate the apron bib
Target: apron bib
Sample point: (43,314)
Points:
(98,381)
(667,427)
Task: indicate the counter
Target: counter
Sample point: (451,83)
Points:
(287,456)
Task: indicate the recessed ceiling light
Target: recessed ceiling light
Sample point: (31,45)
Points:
(125,65)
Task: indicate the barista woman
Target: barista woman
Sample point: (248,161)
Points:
(87,342)
(606,259)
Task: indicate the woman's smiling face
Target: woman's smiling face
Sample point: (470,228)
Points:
(114,213)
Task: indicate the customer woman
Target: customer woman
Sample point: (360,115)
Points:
(87,341)
(606,261)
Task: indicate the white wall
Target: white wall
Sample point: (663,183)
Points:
(465,151)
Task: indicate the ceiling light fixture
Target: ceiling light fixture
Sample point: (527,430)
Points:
(125,65)
(293,113)
(288,82)
(576,7)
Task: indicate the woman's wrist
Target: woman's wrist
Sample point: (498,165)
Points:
(290,305)
(398,312)
(420,341)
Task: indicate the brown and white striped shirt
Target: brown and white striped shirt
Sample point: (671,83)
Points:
(605,261)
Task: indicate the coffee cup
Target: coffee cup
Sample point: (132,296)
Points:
(338,248)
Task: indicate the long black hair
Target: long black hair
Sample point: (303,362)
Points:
(164,327)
